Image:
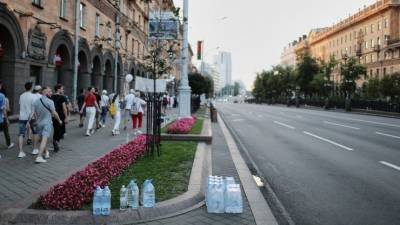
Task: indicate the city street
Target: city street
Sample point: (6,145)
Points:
(324,167)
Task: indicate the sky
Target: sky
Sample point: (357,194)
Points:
(256,31)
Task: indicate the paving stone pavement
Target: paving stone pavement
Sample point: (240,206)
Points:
(222,165)
(22,179)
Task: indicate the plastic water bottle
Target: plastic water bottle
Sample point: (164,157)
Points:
(148,194)
(106,203)
(233,201)
(123,202)
(129,194)
(97,201)
(135,196)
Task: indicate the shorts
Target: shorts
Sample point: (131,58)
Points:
(44,130)
(22,127)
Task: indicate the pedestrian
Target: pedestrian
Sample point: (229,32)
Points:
(164,103)
(91,107)
(98,100)
(116,103)
(6,122)
(104,104)
(129,100)
(32,122)
(171,102)
(60,104)
(44,110)
(26,101)
(137,115)
(80,100)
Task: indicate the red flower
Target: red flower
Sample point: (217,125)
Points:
(182,126)
(77,190)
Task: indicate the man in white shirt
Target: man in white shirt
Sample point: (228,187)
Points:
(129,100)
(26,101)
(104,104)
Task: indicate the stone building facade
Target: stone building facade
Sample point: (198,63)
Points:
(372,36)
(37,43)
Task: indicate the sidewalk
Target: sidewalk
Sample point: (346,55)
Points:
(222,165)
(22,179)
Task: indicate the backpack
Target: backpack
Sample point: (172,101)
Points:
(113,109)
(135,107)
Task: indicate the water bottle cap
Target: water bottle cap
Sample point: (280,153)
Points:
(123,186)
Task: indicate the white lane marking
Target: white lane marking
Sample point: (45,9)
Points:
(341,125)
(237,120)
(285,125)
(387,135)
(329,141)
(390,165)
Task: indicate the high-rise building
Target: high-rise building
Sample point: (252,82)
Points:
(207,69)
(223,63)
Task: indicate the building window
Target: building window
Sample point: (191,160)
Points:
(372,28)
(37,3)
(372,43)
(110,35)
(82,15)
(350,36)
(63,8)
(378,41)
(379,25)
(366,44)
(143,52)
(97,30)
(138,50)
(377,72)
(133,46)
(371,58)
(385,23)
(384,71)
(370,73)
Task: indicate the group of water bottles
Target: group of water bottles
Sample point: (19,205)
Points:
(223,195)
(102,201)
(129,198)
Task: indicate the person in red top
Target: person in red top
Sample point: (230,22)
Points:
(91,107)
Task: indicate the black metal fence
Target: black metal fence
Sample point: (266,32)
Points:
(153,126)
(337,102)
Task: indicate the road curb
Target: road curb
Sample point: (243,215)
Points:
(190,200)
(261,210)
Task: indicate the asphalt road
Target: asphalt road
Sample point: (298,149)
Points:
(326,168)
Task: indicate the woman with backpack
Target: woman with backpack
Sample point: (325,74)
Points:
(115,111)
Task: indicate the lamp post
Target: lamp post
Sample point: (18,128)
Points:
(184,89)
(77,25)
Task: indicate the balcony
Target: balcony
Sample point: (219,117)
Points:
(392,41)
(377,48)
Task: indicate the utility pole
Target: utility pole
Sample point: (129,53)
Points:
(184,89)
(76,51)
(117,47)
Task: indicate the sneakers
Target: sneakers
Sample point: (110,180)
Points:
(87,133)
(139,132)
(81,125)
(103,126)
(113,133)
(35,152)
(40,159)
(21,155)
(47,155)
(10,146)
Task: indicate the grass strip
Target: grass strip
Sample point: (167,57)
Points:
(170,172)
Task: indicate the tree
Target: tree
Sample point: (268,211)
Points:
(307,69)
(209,87)
(390,85)
(351,71)
(236,89)
(197,83)
(372,88)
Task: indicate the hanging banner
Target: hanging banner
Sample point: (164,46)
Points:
(163,26)
(147,85)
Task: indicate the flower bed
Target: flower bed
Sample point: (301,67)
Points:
(182,126)
(77,190)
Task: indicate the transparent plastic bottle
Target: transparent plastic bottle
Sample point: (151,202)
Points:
(123,203)
(106,202)
(148,194)
(97,201)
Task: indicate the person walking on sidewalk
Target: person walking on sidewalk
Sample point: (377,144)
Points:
(91,107)
(26,101)
(116,104)
(60,103)
(104,104)
(44,110)
(98,100)
(6,121)
(32,122)
(137,114)
(129,99)
(80,100)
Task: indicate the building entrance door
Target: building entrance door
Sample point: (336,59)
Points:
(35,72)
